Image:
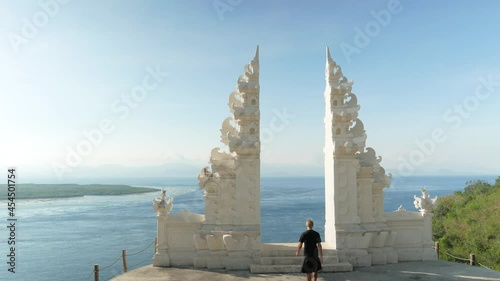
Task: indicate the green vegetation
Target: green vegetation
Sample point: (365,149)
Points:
(468,222)
(38,191)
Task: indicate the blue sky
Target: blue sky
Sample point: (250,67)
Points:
(421,67)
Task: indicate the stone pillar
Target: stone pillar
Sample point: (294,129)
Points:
(248,191)
(345,191)
(425,204)
(353,177)
(162,206)
(428,254)
(232,226)
(378,203)
(365,198)
(161,256)
(341,187)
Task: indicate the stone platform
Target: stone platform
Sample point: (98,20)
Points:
(406,271)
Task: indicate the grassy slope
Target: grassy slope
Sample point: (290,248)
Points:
(468,222)
(32,191)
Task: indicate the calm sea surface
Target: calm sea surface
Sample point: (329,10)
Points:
(61,239)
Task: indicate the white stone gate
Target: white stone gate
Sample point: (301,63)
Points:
(357,231)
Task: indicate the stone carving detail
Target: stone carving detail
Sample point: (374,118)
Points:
(235,245)
(400,209)
(369,161)
(368,158)
(243,139)
(380,176)
(249,82)
(351,101)
(206,181)
(189,217)
(201,243)
(214,242)
(234,101)
(379,239)
(163,205)
(346,129)
(424,203)
(334,74)
(377,202)
(358,133)
(222,163)
(351,241)
(228,130)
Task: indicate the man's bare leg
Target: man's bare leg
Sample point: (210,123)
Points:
(315,275)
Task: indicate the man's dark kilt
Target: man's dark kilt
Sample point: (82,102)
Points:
(311,264)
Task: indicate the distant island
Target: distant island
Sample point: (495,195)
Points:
(45,191)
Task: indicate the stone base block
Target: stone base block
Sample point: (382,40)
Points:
(238,260)
(409,254)
(392,256)
(216,260)
(200,262)
(429,255)
(161,260)
(378,256)
(416,254)
(181,258)
(238,263)
(357,258)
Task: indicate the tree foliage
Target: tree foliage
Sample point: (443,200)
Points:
(468,222)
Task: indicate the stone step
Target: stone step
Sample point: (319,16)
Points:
(291,253)
(260,268)
(294,260)
(288,250)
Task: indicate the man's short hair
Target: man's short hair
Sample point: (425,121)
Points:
(310,223)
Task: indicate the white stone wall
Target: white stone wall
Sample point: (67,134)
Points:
(414,235)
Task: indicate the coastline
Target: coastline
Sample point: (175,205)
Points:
(60,191)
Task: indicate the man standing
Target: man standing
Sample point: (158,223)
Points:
(312,240)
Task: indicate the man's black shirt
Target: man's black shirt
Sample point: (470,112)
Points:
(310,238)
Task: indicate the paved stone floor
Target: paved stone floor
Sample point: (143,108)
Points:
(411,271)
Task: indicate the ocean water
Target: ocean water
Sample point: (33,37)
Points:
(61,239)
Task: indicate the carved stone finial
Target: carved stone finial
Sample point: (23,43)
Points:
(424,203)
(251,73)
(401,209)
(163,205)
(328,56)
(333,72)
